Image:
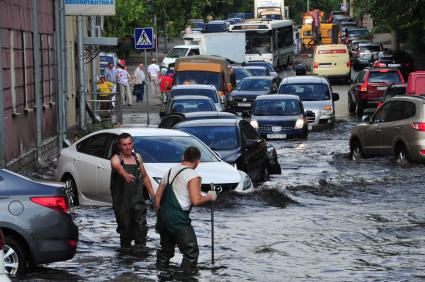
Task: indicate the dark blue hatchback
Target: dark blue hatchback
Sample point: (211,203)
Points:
(279,117)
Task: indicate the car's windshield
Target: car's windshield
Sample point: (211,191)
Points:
(255,85)
(370,48)
(192,105)
(385,76)
(199,77)
(166,149)
(307,92)
(197,25)
(258,71)
(275,107)
(358,32)
(258,42)
(194,91)
(241,73)
(216,137)
(177,52)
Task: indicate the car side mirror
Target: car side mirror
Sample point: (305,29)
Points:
(335,96)
(251,144)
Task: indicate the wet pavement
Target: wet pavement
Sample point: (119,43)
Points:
(325,218)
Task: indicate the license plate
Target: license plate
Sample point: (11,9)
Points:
(310,127)
(393,65)
(382,88)
(244,104)
(276,136)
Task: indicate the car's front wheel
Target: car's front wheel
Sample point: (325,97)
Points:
(401,156)
(356,151)
(71,190)
(15,257)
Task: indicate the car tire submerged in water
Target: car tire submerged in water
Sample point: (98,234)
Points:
(266,174)
(71,190)
(356,151)
(15,257)
(401,156)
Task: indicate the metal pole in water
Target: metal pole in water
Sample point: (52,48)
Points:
(212,226)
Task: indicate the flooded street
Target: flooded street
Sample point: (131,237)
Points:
(325,218)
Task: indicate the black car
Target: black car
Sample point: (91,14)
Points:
(237,143)
(172,120)
(394,90)
(35,221)
(249,88)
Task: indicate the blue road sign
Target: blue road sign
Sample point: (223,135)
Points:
(144,38)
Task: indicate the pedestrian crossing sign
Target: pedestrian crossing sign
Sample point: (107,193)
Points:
(144,38)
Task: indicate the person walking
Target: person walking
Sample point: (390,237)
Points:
(179,189)
(153,75)
(123,79)
(127,179)
(104,92)
(111,73)
(139,83)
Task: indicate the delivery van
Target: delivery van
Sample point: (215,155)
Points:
(332,61)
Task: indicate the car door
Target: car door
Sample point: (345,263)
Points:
(254,154)
(355,87)
(373,134)
(89,159)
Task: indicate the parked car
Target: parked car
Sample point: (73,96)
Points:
(364,54)
(397,128)
(171,120)
(236,141)
(416,83)
(344,26)
(356,33)
(333,14)
(332,61)
(279,117)
(391,91)
(198,90)
(369,87)
(316,95)
(249,88)
(35,222)
(337,19)
(258,70)
(85,165)
(385,59)
(189,103)
(265,64)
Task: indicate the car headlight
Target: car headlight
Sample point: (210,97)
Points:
(157,179)
(254,123)
(327,110)
(247,183)
(299,124)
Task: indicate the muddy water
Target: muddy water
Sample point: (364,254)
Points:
(325,218)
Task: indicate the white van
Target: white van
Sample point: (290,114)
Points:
(180,51)
(332,61)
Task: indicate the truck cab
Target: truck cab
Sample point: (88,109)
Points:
(180,51)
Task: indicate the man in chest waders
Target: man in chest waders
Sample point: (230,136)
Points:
(179,189)
(128,202)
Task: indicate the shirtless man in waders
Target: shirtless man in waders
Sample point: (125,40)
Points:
(127,179)
(179,189)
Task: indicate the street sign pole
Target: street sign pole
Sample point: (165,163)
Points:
(144,39)
(146,89)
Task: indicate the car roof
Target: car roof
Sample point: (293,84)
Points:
(420,98)
(209,113)
(208,122)
(382,69)
(278,97)
(369,44)
(216,22)
(255,67)
(191,97)
(194,86)
(304,79)
(260,77)
(141,131)
(358,41)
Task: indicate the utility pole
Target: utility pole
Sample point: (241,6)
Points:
(82,88)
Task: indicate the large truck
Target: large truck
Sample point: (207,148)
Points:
(270,9)
(224,44)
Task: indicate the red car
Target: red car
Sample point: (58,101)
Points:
(369,87)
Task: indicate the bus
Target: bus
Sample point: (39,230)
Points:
(268,40)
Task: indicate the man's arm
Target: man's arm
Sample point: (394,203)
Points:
(146,180)
(116,164)
(196,198)
(158,195)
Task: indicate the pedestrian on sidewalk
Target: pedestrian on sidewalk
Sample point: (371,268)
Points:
(180,188)
(127,180)
(123,79)
(154,75)
(104,92)
(139,83)
(111,76)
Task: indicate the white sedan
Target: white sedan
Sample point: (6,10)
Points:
(85,165)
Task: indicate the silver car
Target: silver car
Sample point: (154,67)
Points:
(317,98)
(396,128)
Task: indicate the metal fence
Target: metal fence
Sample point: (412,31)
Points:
(105,107)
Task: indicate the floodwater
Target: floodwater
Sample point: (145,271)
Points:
(325,218)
